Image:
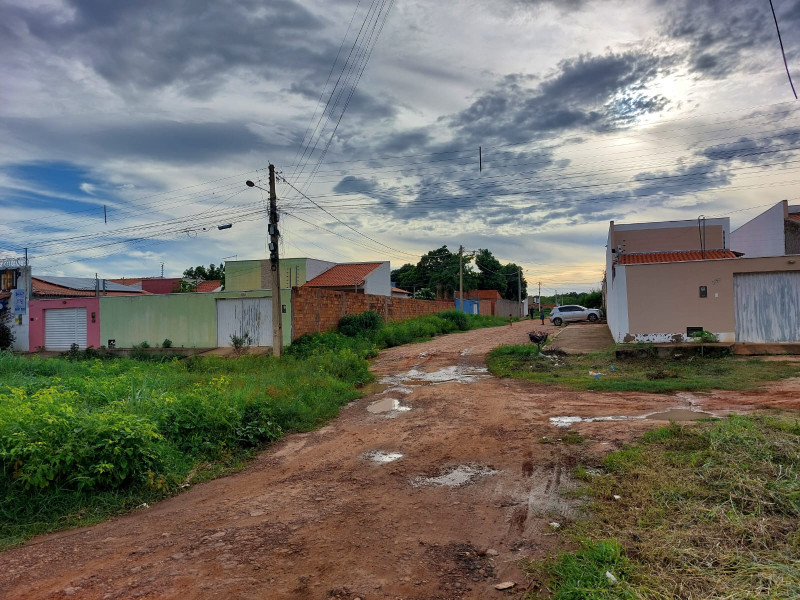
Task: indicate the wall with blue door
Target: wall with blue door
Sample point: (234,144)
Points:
(470,306)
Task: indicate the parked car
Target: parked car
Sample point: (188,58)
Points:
(573,312)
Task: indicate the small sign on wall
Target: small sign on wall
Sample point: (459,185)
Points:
(18,301)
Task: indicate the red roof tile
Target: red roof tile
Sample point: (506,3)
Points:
(484,294)
(636,258)
(343,275)
(397,290)
(209,286)
(794,216)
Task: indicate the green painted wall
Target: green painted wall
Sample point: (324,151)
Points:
(242,275)
(189,320)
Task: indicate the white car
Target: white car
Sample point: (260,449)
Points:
(573,312)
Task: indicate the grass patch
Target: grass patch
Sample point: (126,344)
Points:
(706,511)
(602,372)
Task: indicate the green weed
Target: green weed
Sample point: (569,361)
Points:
(602,372)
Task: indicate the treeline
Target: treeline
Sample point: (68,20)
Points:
(436,275)
(593,299)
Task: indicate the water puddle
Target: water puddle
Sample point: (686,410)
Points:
(569,421)
(455,477)
(455,373)
(381,457)
(376,387)
(387,405)
(673,414)
(678,414)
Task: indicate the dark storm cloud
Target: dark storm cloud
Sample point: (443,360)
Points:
(725,37)
(771,148)
(168,141)
(586,93)
(685,180)
(193,44)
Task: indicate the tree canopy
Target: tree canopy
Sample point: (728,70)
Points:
(211,273)
(437,274)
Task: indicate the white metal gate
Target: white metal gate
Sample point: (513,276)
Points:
(244,316)
(64,327)
(767,307)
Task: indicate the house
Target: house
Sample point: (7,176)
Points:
(66,310)
(361,278)
(400,293)
(212,285)
(45,286)
(243,275)
(665,280)
(153,285)
(775,232)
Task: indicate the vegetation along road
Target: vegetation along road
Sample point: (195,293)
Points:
(445,481)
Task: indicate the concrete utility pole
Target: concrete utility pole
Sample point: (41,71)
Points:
(540,297)
(519,291)
(461,277)
(274,235)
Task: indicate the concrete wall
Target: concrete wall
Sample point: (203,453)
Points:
(257,274)
(471,307)
(669,235)
(379,282)
(317,309)
(663,299)
(762,235)
(242,275)
(503,308)
(188,320)
(617,302)
(36,319)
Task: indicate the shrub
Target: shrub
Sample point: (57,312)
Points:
(167,343)
(360,325)
(459,318)
(240,343)
(704,337)
(47,438)
(7,336)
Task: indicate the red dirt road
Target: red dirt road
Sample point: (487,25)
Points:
(316,517)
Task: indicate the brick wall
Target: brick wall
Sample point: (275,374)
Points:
(317,309)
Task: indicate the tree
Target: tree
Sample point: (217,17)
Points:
(406,276)
(510,272)
(490,275)
(212,273)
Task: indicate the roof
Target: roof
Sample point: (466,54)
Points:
(127,280)
(209,286)
(343,275)
(636,258)
(486,294)
(397,290)
(77,286)
(794,216)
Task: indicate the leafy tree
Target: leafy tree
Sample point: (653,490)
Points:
(510,271)
(405,276)
(212,273)
(490,275)
(424,294)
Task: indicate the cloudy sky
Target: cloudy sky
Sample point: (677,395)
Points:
(128,128)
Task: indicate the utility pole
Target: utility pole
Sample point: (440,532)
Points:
(274,235)
(461,277)
(519,291)
(540,298)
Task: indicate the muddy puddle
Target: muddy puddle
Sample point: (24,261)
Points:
(376,387)
(673,414)
(455,477)
(387,405)
(381,457)
(678,414)
(452,374)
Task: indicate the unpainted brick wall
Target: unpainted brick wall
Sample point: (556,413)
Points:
(316,309)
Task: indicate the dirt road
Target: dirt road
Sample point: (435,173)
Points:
(402,503)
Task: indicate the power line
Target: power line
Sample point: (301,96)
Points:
(783,52)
